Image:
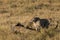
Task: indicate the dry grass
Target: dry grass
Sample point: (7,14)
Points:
(14,11)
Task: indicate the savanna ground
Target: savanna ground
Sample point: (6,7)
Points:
(14,11)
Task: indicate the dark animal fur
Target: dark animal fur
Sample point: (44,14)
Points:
(43,22)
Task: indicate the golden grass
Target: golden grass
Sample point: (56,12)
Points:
(14,11)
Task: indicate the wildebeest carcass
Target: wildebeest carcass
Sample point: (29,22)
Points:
(36,23)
